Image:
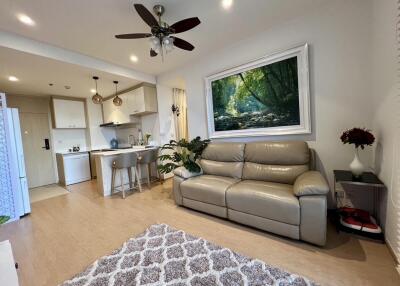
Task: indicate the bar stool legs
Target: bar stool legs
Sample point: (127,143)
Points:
(113,172)
(148,175)
(130,177)
(122,183)
(122,186)
(139,185)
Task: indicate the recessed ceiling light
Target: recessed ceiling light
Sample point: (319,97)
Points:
(12,78)
(25,19)
(134,58)
(93,90)
(227,4)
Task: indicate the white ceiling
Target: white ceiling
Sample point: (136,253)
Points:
(89,26)
(35,73)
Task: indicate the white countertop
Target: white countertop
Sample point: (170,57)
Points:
(123,151)
(71,153)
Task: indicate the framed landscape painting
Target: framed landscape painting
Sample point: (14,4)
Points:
(269,96)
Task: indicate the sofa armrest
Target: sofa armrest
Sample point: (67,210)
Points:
(185,173)
(310,183)
(181,174)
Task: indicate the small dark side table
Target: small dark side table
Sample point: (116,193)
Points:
(368,182)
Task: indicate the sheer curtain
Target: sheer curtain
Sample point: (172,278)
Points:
(180,113)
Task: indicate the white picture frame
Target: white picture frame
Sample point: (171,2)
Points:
(301,52)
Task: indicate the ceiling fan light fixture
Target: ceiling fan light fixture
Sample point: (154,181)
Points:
(155,44)
(159,37)
(168,43)
(97,98)
(117,100)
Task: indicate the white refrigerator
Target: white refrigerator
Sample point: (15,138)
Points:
(17,164)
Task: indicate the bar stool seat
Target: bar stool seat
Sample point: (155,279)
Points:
(148,158)
(125,162)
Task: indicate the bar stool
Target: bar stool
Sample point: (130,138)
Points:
(125,161)
(147,158)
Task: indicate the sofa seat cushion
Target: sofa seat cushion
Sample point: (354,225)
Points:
(265,199)
(207,189)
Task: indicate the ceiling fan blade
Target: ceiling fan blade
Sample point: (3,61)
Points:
(182,44)
(133,36)
(184,25)
(153,53)
(146,15)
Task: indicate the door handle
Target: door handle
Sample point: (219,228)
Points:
(46,144)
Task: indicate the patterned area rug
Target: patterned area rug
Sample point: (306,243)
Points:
(166,256)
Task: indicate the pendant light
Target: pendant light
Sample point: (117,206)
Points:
(97,98)
(117,100)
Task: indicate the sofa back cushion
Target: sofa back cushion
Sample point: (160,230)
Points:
(223,159)
(280,162)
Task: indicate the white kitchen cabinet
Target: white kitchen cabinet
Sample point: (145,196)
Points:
(68,113)
(73,168)
(140,101)
(144,100)
(116,114)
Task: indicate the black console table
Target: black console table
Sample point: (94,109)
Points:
(367,182)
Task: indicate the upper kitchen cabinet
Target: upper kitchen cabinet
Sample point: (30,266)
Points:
(68,113)
(144,100)
(137,102)
(116,114)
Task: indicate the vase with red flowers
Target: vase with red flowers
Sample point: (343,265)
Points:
(359,137)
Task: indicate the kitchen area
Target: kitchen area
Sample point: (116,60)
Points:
(87,135)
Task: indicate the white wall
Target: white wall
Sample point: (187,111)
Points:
(386,117)
(99,137)
(339,37)
(64,139)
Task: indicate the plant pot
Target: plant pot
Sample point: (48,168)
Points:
(356,166)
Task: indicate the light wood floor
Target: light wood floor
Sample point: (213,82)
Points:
(46,192)
(65,234)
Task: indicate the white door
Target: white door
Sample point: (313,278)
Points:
(38,159)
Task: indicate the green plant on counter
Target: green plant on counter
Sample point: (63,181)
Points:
(147,137)
(4,219)
(182,153)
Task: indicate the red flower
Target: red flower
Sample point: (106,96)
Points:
(358,136)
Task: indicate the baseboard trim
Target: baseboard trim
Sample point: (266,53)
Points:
(396,259)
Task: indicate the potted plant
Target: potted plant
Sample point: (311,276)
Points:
(360,137)
(147,138)
(182,153)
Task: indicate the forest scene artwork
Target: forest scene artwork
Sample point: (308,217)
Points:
(263,97)
(266,96)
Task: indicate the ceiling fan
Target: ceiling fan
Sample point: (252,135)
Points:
(160,36)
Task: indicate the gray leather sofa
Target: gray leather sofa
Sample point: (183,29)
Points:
(268,185)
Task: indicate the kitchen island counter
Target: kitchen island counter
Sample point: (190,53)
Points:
(104,168)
